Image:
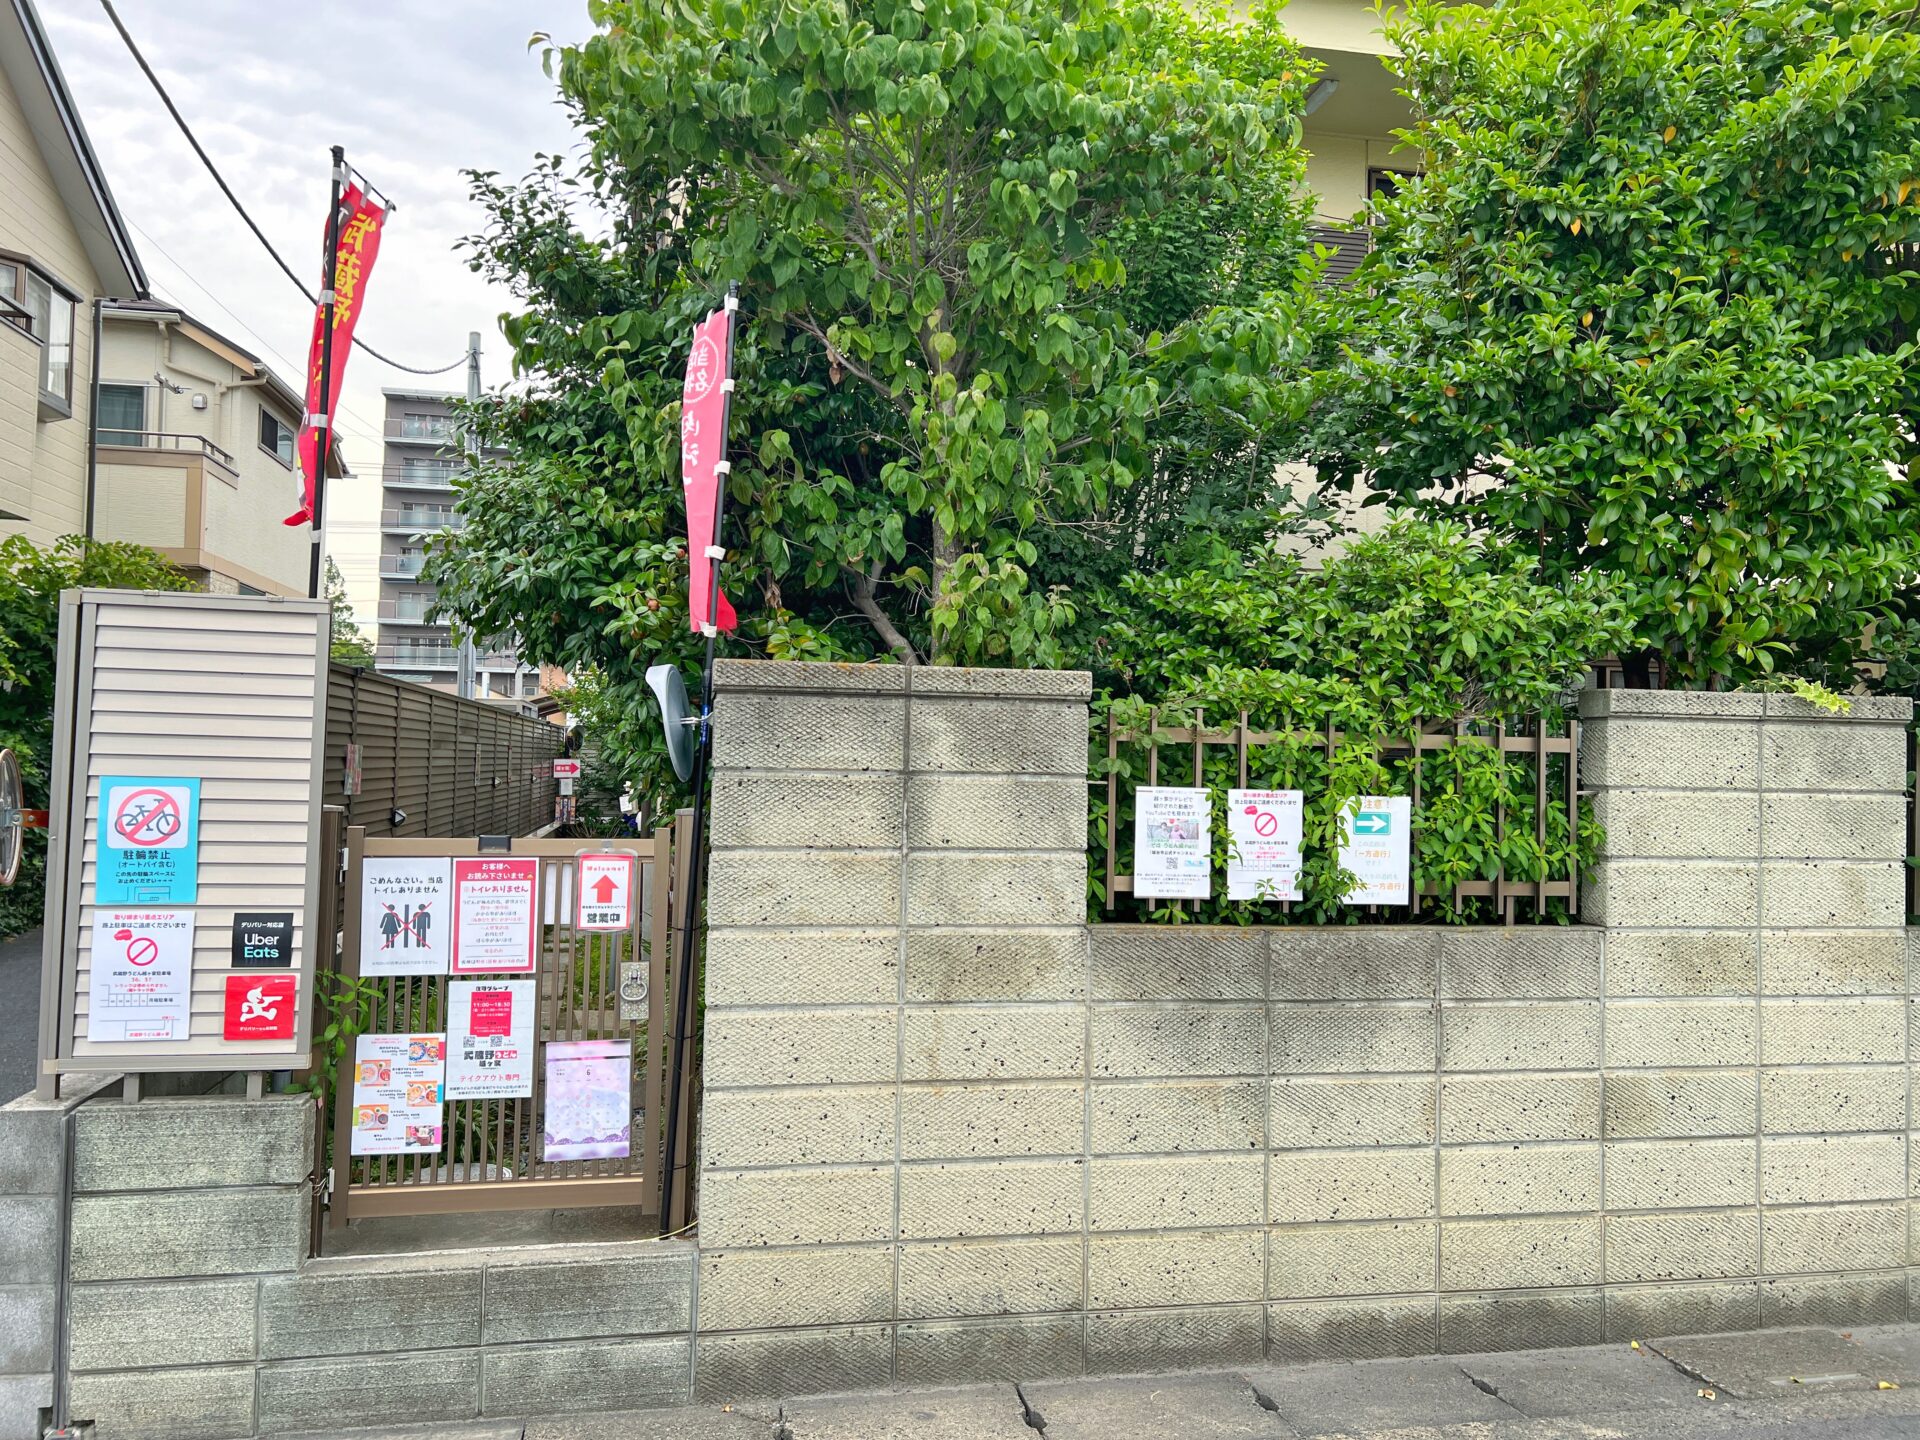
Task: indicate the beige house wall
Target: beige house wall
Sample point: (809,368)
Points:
(238,533)
(34,221)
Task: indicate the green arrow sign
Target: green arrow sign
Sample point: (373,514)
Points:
(1372,822)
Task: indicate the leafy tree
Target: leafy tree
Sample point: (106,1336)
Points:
(31,580)
(1407,630)
(1646,309)
(1018,292)
(349,644)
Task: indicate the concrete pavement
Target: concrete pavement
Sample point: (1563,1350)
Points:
(19,1012)
(1809,1384)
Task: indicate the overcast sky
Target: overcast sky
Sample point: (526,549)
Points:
(416,90)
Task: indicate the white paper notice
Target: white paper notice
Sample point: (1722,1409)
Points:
(140,975)
(1378,849)
(1263,849)
(489,1039)
(403,917)
(1172,843)
(397,1094)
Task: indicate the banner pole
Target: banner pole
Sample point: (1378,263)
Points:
(683,971)
(323,430)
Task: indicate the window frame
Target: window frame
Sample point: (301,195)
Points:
(16,312)
(103,431)
(293,438)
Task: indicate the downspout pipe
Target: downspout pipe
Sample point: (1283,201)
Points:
(93,420)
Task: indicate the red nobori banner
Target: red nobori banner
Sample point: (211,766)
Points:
(353,257)
(703,450)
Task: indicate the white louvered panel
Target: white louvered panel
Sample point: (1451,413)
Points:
(228,694)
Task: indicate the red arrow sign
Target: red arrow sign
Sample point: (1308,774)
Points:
(603,889)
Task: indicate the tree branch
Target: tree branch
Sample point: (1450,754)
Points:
(865,582)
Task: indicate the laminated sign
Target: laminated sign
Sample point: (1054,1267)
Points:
(605,892)
(140,975)
(494,921)
(148,847)
(397,1094)
(1172,843)
(404,916)
(1263,850)
(589,1104)
(1377,849)
(489,1039)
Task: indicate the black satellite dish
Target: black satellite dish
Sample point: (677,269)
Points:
(675,715)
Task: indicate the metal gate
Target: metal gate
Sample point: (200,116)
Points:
(492,1155)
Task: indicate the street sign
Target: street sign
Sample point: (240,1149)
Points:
(149,841)
(566,769)
(605,892)
(1172,842)
(1378,850)
(1263,851)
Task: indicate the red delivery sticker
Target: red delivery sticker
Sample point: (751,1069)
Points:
(260,1007)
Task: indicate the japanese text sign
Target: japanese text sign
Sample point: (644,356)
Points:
(494,920)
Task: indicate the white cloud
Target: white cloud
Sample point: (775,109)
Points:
(416,90)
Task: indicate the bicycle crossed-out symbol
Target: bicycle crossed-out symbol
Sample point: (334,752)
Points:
(147,817)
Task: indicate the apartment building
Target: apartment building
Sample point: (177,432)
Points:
(63,246)
(423,454)
(194,452)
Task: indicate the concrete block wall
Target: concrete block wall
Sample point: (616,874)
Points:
(1759,982)
(952,1136)
(194,1312)
(894,1177)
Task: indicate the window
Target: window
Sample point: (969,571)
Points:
(37,303)
(123,414)
(1387,182)
(275,438)
(11,297)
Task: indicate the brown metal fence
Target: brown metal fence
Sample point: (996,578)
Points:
(448,766)
(1531,740)
(585,986)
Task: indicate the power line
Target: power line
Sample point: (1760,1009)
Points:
(234,200)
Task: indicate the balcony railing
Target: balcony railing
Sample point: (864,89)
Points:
(171,441)
(401,567)
(421,427)
(430,657)
(416,519)
(414,477)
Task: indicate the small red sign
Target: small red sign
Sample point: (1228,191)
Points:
(260,1007)
(491,1013)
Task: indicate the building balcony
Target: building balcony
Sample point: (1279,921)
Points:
(405,479)
(421,519)
(418,657)
(401,567)
(435,430)
(180,494)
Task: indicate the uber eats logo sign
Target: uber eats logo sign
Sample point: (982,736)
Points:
(263,939)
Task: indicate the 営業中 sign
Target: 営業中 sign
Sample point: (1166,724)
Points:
(262,939)
(149,841)
(140,975)
(259,1007)
(494,927)
(1172,843)
(404,916)
(397,1094)
(604,889)
(566,769)
(1378,850)
(489,1039)
(1263,850)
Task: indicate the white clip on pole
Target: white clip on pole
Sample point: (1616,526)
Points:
(733,302)
(716,552)
(710,631)
(726,386)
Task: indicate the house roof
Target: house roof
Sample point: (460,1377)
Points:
(27,61)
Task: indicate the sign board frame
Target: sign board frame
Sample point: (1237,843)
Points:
(177,621)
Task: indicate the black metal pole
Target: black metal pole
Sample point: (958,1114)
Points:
(683,972)
(323,422)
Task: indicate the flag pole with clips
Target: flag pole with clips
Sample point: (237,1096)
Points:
(684,978)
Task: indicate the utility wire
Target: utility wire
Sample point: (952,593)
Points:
(234,200)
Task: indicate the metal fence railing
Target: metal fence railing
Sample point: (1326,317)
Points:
(1532,741)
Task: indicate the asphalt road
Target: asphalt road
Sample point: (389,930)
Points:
(19,1012)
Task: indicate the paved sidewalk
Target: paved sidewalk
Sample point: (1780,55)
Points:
(1767,1385)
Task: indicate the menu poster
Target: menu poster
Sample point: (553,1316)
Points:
(1172,843)
(589,1101)
(397,1092)
(494,919)
(490,1039)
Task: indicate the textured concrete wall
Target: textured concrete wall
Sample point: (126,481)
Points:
(951,1136)
(193,1312)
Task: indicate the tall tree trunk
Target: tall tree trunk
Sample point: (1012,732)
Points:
(946,551)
